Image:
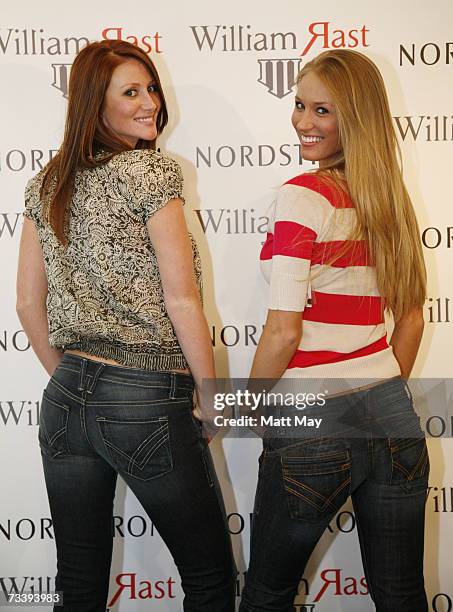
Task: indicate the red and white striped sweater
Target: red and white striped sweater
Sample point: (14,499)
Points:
(344,335)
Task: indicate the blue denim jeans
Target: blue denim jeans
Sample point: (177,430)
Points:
(100,420)
(304,482)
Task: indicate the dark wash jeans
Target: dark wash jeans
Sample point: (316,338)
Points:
(100,420)
(303,483)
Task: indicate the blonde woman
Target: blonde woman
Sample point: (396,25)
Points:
(343,246)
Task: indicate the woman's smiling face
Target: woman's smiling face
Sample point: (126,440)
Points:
(132,103)
(315,120)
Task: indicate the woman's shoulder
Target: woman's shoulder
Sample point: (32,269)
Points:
(322,186)
(32,193)
(310,180)
(34,183)
(149,178)
(139,161)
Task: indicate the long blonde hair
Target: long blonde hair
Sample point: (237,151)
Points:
(369,156)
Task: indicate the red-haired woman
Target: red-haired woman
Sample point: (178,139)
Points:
(108,296)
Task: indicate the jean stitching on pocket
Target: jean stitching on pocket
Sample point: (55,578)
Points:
(326,500)
(409,474)
(306,488)
(340,488)
(307,459)
(416,467)
(136,403)
(120,452)
(115,448)
(307,445)
(162,473)
(64,391)
(402,469)
(143,464)
(425,464)
(128,383)
(130,421)
(316,470)
(109,445)
(333,471)
(306,499)
(399,444)
(147,440)
(152,450)
(56,435)
(45,439)
(128,463)
(420,462)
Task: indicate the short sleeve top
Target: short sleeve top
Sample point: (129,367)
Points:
(105,294)
(313,267)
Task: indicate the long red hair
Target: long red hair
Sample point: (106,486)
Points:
(85,132)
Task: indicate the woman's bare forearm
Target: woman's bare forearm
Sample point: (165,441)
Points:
(35,325)
(192,331)
(272,356)
(278,343)
(405,340)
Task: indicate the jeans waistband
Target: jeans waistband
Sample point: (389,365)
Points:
(96,370)
(383,410)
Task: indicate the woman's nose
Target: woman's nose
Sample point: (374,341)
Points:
(305,121)
(149,100)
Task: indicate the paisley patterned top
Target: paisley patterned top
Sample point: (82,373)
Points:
(105,294)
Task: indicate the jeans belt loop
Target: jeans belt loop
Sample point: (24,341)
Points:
(83,368)
(172,394)
(95,378)
(408,390)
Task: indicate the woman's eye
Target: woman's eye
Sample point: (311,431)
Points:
(321,110)
(152,88)
(299,106)
(130,92)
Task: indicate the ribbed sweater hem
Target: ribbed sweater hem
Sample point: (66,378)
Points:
(342,376)
(157,362)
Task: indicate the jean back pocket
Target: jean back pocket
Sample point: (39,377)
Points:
(317,482)
(53,425)
(140,448)
(410,460)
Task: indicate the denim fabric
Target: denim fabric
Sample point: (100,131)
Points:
(303,483)
(100,420)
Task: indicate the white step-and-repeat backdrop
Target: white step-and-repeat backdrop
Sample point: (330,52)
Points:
(226,72)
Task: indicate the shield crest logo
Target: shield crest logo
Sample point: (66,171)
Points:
(61,77)
(279,75)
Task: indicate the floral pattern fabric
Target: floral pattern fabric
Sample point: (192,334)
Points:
(105,294)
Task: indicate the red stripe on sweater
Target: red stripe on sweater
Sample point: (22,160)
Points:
(336,196)
(345,309)
(293,240)
(305,359)
(344,253)
(268,247)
